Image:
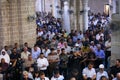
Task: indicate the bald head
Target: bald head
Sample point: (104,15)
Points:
(118,76)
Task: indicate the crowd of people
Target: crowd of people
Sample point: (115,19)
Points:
(59,55)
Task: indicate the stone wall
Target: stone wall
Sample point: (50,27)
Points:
(97,5)
(14,24)
(115,52)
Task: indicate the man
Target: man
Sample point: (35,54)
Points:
(89,72)
(7,50)
(57,76)
(25,53)
(46,51)
(28,62)
(117,77)
(100,55)
(79,43)
(14,56)
(53,59)
(26,45)
(43,77)
(5,56)
(35,52)
(42,63)
(107,52)
(25,76)
(115,69)
(74,74)
(63,62)
(101,72)
(67,48)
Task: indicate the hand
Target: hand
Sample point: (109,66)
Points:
(44,65)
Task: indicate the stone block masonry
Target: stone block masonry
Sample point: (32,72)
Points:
(14,24)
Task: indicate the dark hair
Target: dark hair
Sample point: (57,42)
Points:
(91,63)
(118,60)
(103,77)
(56,72)
(42,73)
(62,49)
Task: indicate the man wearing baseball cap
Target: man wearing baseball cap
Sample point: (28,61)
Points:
(101,72)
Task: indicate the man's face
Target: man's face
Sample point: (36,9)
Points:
(41,55)
(3,53)
(2,60)
(90,66)
(117,63)
(42,76)
(57,75)
(35,48)
(118,76)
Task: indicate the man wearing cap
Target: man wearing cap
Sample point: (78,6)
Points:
(101,72)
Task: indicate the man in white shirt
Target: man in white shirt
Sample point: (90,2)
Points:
(101,72)
(5,55)
(57,76)
(25,53)
(89,72)
(42,63)
(46,51)
(67,48)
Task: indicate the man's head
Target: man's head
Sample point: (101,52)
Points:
(56,74)
(2,60)
(25,74)
(41,55)
(42,75)
(90,65)
(118,62)
(26,44)
(118,76)
(25,49)
(30,57)
(101,67)
(3,52)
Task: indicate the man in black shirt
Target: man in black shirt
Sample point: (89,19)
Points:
(14,56)
(115,69)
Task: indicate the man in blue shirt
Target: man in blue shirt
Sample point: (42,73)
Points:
(100,55)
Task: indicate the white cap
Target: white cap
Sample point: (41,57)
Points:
(101,66)
(77,45)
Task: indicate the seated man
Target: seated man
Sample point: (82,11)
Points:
(101,72)
(25,76)
(115,69)
(42,76)
(57,76)
(89,72)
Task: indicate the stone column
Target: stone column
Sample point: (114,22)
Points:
(85,15)
(66,17)
(38,5)
(115,27)
(43,5)
(55,8)
(113,6)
